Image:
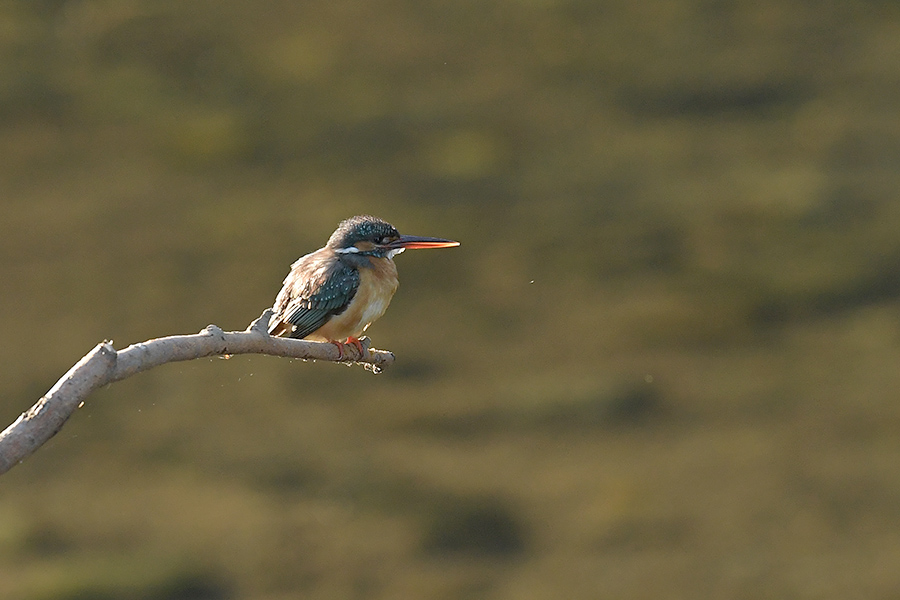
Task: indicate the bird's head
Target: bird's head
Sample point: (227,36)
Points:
(365,235)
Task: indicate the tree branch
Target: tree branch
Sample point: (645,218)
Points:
(104,364)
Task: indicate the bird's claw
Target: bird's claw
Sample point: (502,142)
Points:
(351,341)
(359,346)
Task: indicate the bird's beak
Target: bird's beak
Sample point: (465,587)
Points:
(414,242)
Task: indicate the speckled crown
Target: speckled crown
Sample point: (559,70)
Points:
(358,228)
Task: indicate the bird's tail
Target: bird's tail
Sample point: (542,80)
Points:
(277,326)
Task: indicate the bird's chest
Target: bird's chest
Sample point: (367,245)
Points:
(376,288)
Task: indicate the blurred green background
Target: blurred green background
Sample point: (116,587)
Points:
(662,364)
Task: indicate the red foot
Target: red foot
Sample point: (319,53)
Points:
(340,348)
(358,344)
(350,340)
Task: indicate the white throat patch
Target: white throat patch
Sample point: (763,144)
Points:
(355,250)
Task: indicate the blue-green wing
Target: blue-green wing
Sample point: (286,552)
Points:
(316,289)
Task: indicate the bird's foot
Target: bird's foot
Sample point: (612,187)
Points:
(340,348)
(351,341)
(358,344)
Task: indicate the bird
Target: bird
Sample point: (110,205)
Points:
(336,292)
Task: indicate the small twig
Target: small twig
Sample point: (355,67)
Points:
(104,364)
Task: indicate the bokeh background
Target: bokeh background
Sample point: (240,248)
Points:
(662,364)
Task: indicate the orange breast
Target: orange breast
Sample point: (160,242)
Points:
(376,288)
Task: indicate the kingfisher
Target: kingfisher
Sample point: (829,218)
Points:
(336,292)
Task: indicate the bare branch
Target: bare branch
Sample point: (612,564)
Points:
(104,365)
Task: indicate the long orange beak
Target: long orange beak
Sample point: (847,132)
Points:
(414,242)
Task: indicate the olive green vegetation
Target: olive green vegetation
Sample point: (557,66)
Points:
(662,364)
